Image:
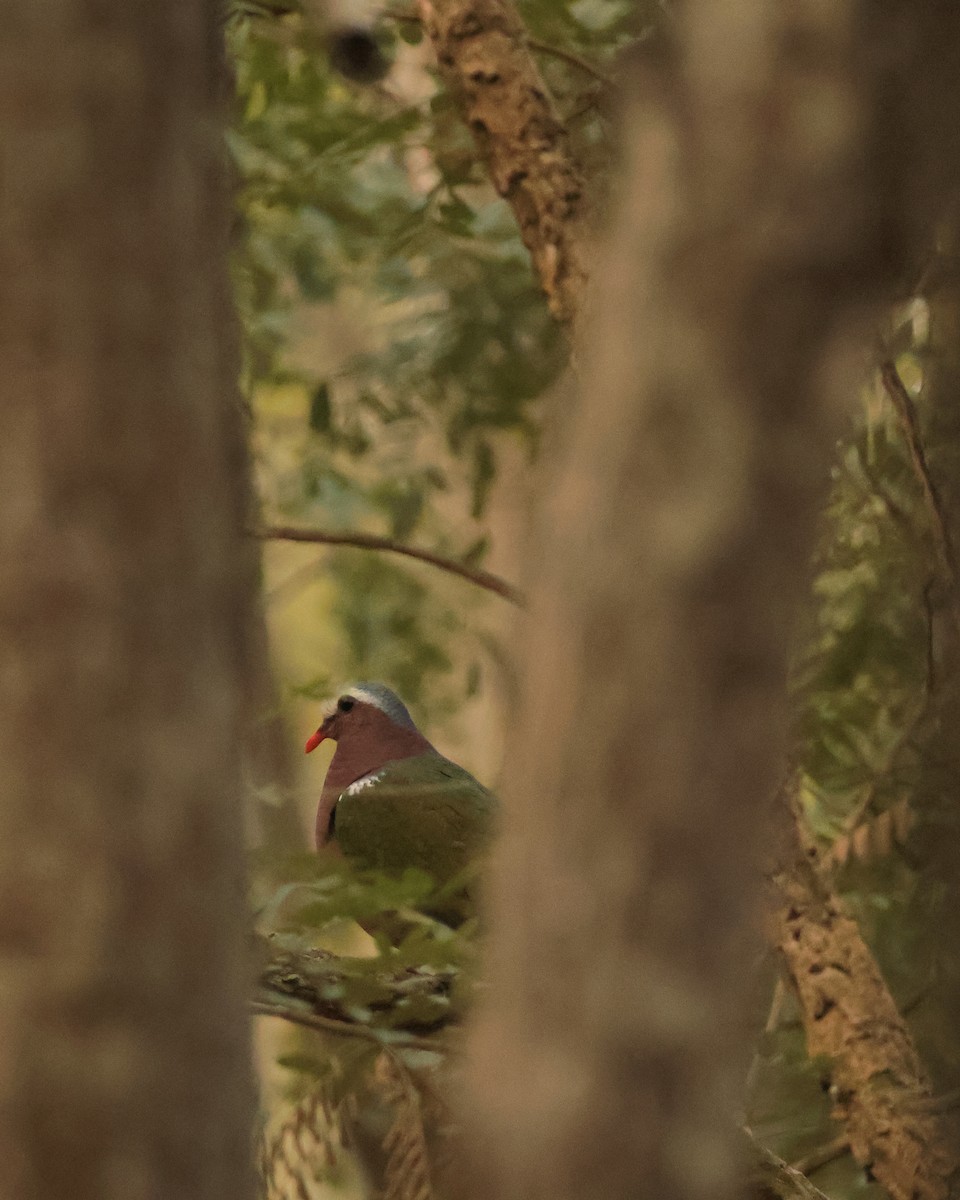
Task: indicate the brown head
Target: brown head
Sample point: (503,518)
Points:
(371,727)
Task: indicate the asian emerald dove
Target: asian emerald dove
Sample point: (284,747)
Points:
(390,800)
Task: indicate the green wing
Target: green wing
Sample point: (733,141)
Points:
(423,812)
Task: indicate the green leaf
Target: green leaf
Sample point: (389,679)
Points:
(410,31)
(484,471)
(306,1064)
(321,410)
(476,553)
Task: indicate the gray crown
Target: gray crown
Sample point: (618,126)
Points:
(384,699)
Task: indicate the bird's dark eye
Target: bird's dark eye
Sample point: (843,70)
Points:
(345,703)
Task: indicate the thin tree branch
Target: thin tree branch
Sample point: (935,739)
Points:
(308,1020)
(315,982)
(369,541)
(903,406)
(823,1155)
(773,1179)
(575,60)
(769,1027)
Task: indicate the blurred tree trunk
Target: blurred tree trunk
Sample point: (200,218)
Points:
(276,822)
(124,614)
(783,166)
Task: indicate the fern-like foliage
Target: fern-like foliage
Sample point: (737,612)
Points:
(368,1030)
(302,1149)
(408,1170)
(876,837)
(869,688)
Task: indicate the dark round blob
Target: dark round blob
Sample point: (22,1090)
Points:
(345,703)
(355,53)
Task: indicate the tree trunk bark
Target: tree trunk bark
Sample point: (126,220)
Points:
(482,53)
(765,200)
(881,1092)
(124,615)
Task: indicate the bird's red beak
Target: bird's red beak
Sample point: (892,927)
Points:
(313,741)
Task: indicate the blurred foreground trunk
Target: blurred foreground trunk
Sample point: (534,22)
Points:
(774,188)
(124,616)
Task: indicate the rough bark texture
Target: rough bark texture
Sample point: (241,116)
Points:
(880,1091)
(482,52)
(765,200)
(123,615)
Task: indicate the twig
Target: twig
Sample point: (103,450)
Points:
(770,1026)
(368,541)
(343,1028)
(913,1002)
(822,1155)
(930,656)
(903,406)
(574,60)
(771,1178)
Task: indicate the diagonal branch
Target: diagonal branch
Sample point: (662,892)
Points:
(484,57)
(313,984)
(880,1090)
(386,1040)
(903,406)
(369,541)
(770,1178)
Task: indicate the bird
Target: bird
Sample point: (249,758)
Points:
(391,800)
